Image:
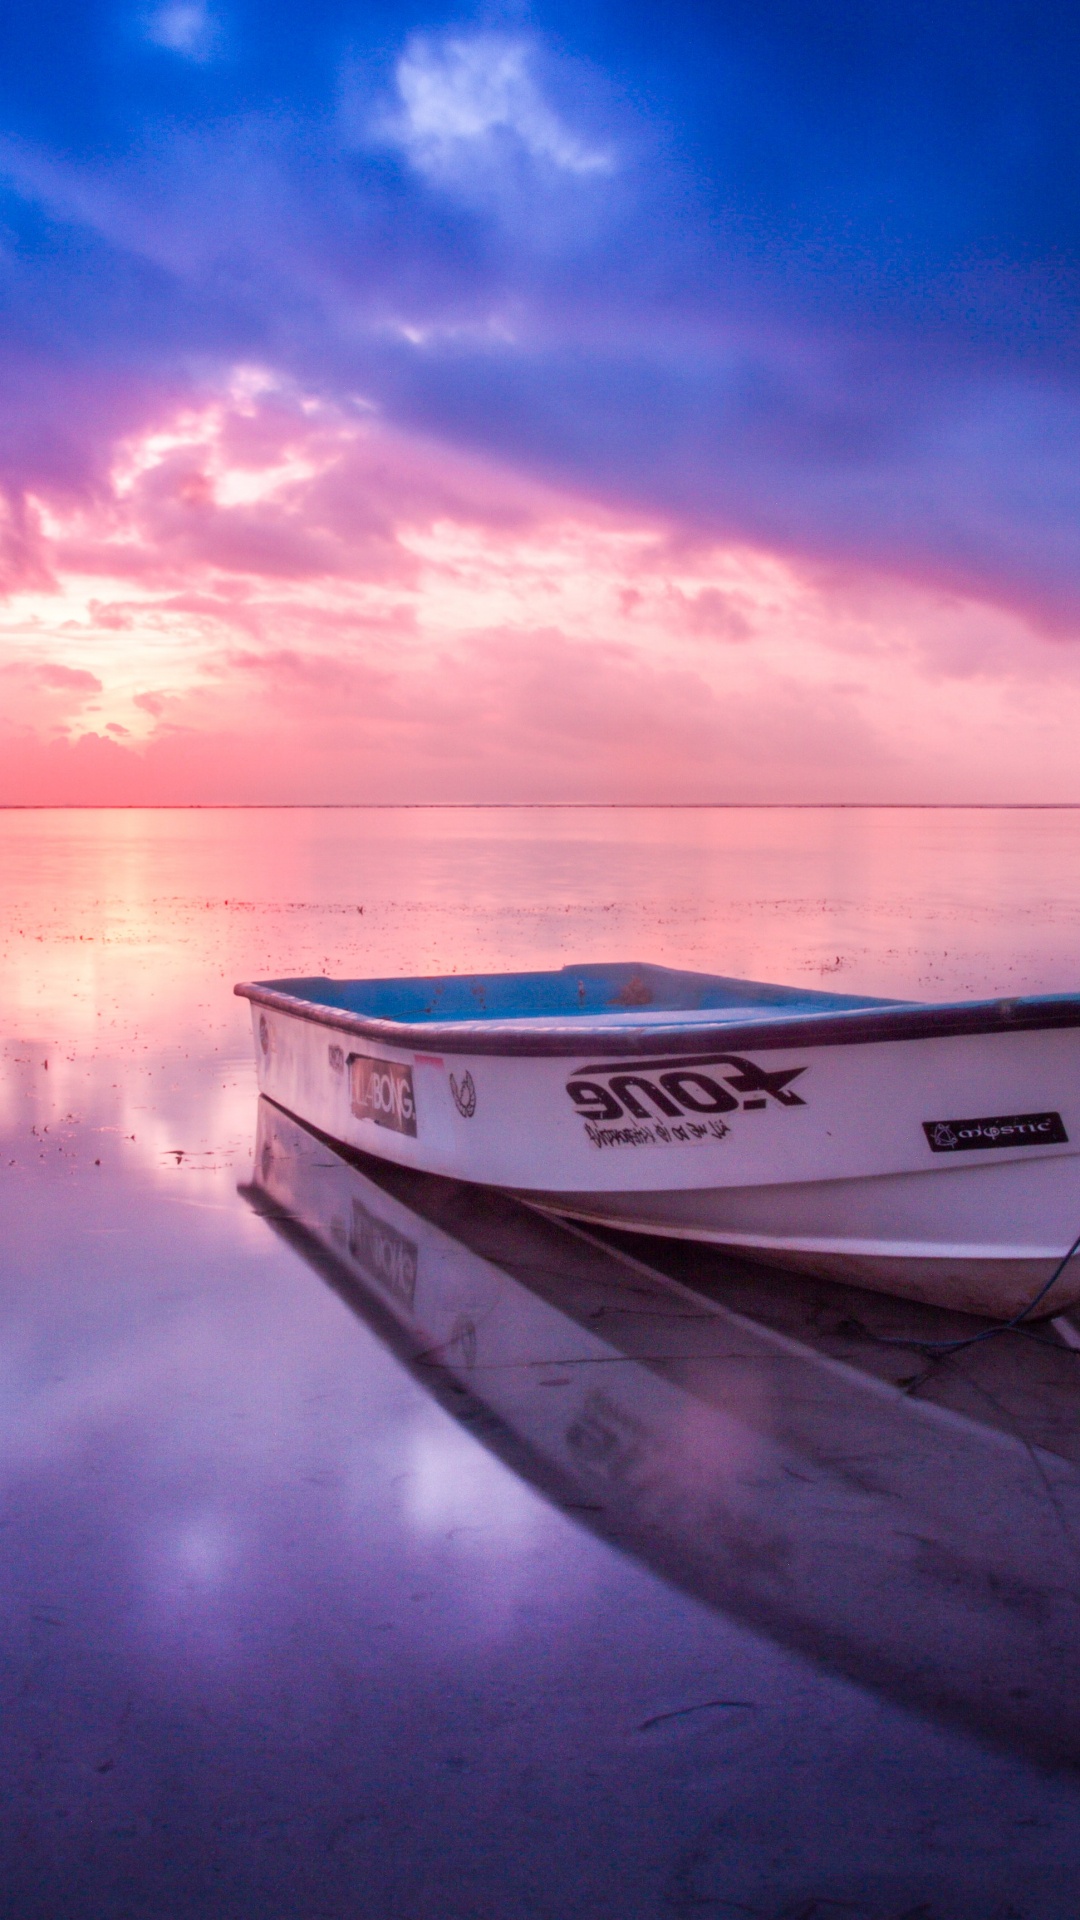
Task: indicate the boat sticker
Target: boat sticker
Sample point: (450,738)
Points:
(384,1255)
(382,1090)
(1000,1130)
(669,1101)
(465,1095)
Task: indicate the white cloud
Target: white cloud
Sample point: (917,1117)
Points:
(184,26)
(469,106)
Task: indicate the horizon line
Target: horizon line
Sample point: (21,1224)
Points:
(536,806)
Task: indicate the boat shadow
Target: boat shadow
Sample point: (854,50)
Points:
(912,1523)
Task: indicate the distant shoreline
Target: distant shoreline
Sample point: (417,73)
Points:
(542,806)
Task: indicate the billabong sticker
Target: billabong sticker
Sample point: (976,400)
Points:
(382,1090)
(384,1254)
(998,1130)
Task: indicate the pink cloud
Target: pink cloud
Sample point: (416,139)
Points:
(24,560)
(712,612)
(52,673)
(325,609)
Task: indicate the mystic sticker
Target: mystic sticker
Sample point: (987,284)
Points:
(999,1130)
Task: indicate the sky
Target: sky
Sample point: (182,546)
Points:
(596,402)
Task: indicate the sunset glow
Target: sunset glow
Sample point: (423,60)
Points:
(272,598)
(404,442)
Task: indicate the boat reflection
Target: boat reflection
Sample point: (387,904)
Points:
(760,1456)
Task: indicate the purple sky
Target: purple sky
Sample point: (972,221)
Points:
(580,402)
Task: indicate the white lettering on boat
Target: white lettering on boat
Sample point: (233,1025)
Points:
(382,1090)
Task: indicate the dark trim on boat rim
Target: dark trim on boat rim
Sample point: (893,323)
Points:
(856,1026)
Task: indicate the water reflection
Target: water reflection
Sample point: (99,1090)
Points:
(928,1547)
(275,1629)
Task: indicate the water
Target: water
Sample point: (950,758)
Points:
(371,1548)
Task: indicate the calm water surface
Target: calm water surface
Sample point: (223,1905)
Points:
(372,1548)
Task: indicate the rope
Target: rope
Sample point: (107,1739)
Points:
(1015,1325)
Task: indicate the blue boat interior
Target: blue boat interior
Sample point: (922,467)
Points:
(591,990)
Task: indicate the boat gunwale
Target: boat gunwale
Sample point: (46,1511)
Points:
(548,1038)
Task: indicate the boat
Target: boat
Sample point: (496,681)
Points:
(923,1150)
(750,1439)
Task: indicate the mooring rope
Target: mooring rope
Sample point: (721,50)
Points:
(1015,1325)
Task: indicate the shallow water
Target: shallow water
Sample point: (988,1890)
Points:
(372,1548)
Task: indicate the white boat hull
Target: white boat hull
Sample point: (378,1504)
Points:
(923,1236)
(941,1167)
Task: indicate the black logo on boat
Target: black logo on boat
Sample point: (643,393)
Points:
(701,1087)
(465,1095)
(382,1090)
(1000,1130)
